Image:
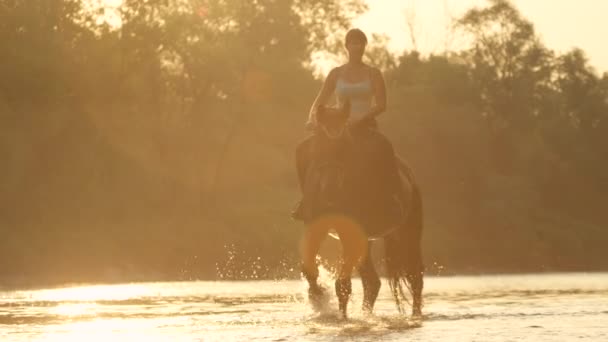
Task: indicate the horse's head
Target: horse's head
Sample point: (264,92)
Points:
(332,121)
(334,148)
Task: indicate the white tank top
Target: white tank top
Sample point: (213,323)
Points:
(359,94)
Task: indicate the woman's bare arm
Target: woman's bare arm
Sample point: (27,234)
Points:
(323,96)
(379,89)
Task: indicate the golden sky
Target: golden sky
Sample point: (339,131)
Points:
(561,24)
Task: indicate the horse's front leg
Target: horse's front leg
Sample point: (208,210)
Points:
(311,243)
(354,250)
(370,280)
(417,282)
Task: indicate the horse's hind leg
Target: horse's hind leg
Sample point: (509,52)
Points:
(415,275)
(371,282)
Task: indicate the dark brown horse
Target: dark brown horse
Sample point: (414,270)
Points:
(356,187)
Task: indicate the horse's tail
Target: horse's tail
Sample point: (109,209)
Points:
(403,251)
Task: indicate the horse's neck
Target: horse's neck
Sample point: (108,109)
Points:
(326,149)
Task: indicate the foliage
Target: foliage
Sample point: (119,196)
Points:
(157,144)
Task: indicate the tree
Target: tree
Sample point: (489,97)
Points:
(510,65)
(41,43)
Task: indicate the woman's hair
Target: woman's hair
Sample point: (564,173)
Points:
(355,35)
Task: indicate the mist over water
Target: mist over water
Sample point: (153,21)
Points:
(551,307)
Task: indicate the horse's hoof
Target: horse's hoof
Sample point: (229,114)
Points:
(316,291)
(416,312)
(318,298)
(367,309)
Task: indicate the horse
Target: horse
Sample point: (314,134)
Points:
(358,190)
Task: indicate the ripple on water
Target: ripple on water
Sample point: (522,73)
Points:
(455,309)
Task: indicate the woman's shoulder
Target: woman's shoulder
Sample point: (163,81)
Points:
(335,71)
(374,71)
(340,68)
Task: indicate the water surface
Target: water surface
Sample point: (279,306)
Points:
(551,307)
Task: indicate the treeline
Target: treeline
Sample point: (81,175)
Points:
(155,140)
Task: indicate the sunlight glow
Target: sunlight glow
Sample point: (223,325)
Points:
(72,310)
(113,3)
(85,319)
(561,25)
(106,330)
(92,293)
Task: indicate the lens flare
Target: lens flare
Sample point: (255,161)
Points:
(340,227)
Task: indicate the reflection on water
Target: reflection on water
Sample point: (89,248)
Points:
(533,307)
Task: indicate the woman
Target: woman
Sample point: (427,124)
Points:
(360,84)
(362,87)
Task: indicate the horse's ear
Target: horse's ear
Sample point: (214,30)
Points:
(346,107)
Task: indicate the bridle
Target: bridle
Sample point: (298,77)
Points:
(339,117)
(332,136)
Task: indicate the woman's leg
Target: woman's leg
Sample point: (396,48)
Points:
(303,152)
(303,159)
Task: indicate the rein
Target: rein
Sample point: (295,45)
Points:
(331,136)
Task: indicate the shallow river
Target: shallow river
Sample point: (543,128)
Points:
(550,307)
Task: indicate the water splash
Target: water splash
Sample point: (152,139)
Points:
(240,264)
